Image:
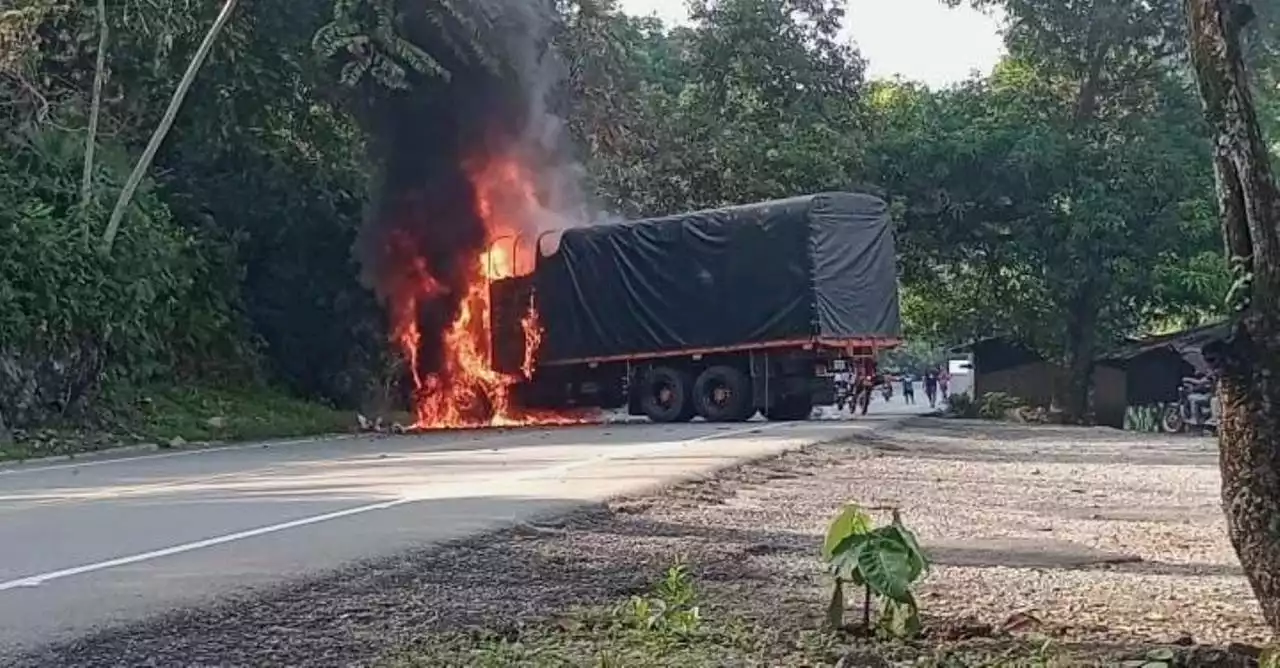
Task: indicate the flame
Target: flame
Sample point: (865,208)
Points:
(466,391)
(532,329)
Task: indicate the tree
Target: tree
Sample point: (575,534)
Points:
(1262,50)
(1092,93)
(1006,210)
(1249,361)
(756,99)
(772,104)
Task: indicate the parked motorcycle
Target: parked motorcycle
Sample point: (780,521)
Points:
(1197,408)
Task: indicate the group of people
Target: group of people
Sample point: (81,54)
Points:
(934,381)
(855,388)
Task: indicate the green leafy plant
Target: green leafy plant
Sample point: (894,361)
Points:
(962,406)
(885,561)
(994,405)
(672,607)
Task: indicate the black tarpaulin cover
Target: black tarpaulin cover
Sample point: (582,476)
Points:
(814,266)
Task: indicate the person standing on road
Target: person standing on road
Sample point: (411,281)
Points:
(908,389)
(846,389)
(944,383)
(931,387)
(864,382)
(866,385)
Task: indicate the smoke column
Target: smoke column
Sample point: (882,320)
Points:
(424,234)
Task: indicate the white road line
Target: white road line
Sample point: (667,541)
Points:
(37,580)
(106,457)
(127,458)
(173,484)
(42,578)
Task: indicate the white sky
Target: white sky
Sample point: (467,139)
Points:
(922,40)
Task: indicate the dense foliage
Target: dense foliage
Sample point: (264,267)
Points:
(1066,198)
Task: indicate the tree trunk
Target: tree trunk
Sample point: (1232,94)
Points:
(1091,84)
(1248,363)
(166,122)
(1082,343)
(6,436)
(95,107)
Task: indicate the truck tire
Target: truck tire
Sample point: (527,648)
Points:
(723,394)
(794,408)
(666,395)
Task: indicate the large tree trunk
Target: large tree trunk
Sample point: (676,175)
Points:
(1082,343)
(6,437)
(1249,362)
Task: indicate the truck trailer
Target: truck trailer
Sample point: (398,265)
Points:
(719,314)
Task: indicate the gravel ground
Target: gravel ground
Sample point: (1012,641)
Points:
(1085,535)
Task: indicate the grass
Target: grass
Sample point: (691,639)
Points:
(663,629)
(174,415)
(668,629)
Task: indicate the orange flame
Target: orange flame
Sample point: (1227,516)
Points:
(532,329)
(466,391)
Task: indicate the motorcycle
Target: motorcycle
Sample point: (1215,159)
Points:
(1197,408)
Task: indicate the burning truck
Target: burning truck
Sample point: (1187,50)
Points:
(499,322)
(719,314)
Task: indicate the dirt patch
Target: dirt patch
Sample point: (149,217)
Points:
(1024,527)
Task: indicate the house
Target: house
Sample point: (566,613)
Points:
(1134,383)
(1002,364)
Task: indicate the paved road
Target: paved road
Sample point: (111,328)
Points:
(103,541)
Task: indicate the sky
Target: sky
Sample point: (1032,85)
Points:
(923,40)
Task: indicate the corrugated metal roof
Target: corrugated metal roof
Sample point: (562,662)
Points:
(1186,343)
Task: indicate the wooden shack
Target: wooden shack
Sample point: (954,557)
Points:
(1135,382)
(1001,364)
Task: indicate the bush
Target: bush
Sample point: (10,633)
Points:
(996,405)
(71,316)
(962,406)
(990,406)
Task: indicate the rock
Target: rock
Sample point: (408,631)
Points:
(1163,654)
(1019,622)
(964,630)
(631,507)
(862,659)
(217,422)
(1184,640)
(177,442)
(757,549)
(1242,649)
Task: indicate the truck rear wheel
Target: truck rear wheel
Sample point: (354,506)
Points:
(791,409)
(666,395)
(723,394)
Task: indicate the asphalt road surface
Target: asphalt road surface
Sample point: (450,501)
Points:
(102,541)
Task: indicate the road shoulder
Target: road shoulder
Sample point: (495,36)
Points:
(749,535)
